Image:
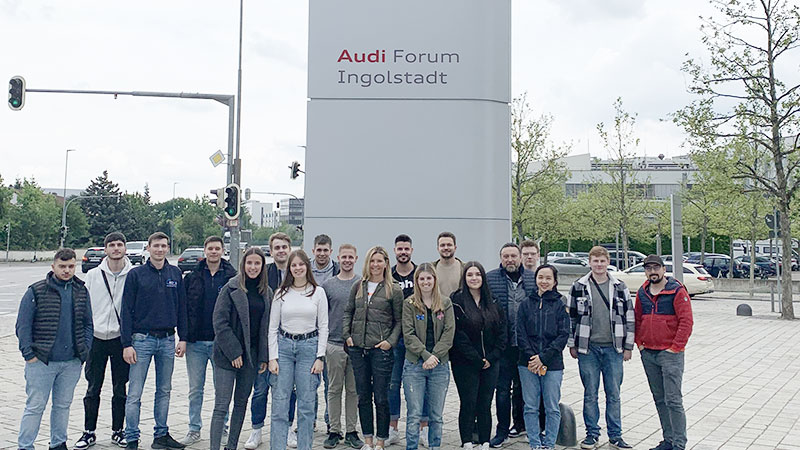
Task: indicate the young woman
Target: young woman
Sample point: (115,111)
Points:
(428,329)
(372,325)
(542,332)
(298,333)
(241,319)
(477,348)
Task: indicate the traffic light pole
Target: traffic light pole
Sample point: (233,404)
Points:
(234,166)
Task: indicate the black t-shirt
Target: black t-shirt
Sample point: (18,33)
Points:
(429,341)
(406,282)
(256,309)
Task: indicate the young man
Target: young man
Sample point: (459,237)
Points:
(323,267)
(403,273)
(202,287)
(153,305)
(530,255)
(280,245)
(105,284)
(54,328)
(663,326)
(510,284)
(448,267)
(337,362)
(601,338)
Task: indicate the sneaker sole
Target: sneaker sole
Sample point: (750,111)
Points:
(85,447)
(589,447)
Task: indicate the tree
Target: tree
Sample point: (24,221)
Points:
(624,194)
(106,212)
(35,219)
(195,223)
(744,94)
(536,166)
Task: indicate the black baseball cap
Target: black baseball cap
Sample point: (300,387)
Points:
(653,259)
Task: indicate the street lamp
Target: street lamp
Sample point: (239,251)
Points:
(64,211)
(172,222)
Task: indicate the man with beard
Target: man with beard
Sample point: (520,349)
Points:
(202,288)
(664,322)
(448,267)
(337,362)
(323,267)
(106,284)
(530,254)
(510,284)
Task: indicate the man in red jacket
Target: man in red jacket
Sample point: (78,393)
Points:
(663,325)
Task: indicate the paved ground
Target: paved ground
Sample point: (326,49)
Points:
(741,390)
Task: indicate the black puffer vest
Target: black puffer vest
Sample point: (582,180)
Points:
(48,312)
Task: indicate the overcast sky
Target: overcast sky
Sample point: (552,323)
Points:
(573,58)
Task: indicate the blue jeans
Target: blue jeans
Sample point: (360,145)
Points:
(601,359)
(198,355)
(396,381)
(421,385)
(258,404)
(295,359)
(162,352)
(534,388)
(58,377)
(664,372)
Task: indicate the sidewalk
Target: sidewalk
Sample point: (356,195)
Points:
(741,391)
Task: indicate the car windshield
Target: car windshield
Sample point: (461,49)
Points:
(134,245)
(188,253)
(702,271)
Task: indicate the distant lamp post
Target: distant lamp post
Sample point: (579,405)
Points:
(64,210)
(172,220)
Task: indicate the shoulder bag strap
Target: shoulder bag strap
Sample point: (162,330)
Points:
(111,295)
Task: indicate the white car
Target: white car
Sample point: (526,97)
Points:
(560,255)
(136,251)
(695,278)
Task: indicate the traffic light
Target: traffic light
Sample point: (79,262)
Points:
(219,197)
(16,93)
(295,170)
(232,201)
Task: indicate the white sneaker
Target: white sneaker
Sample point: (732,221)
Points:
(254,440)
(423,436)
(291,440)
(485,446)
(394,436)
(366,447)
(191,438)
(467,446)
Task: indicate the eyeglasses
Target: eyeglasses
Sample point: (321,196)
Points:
(652,268)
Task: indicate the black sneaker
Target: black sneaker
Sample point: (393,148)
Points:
(132,444)
(332,441)
(516,432)
(498,441)
(118,437)
(663,445)
(590,442)
(353,440)
(61,446)
(166,441)
(619,443)
(88,439)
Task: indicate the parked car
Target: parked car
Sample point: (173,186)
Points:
(136,251)
(92,258)
(190,258)
(551,255)
(581,255)
(719,266)
(766,267)
(695,278)
(570,266)
(634,257)
(266,250)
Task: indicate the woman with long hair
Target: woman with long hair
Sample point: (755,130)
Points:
(542,333)
(477,349)
(298,333)
(428,329)
(372,326)
(241,319)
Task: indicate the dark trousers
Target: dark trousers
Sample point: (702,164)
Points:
(95,370)
(664,372)
(236,384)
(475,388)
(509,394)
(373,370)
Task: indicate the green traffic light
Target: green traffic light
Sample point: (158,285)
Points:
(14,102)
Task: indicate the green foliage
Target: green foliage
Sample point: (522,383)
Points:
(35,219)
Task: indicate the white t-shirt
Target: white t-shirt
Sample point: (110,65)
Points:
(371,288)
(296,313)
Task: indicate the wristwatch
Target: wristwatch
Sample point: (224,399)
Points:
(321,358)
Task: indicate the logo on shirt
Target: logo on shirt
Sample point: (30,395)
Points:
(172,283)
(420,316)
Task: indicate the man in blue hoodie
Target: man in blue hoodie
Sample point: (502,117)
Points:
(54,327)
(153,305)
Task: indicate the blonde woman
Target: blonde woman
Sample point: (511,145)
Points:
(371,327)
(428,330)
(298,333)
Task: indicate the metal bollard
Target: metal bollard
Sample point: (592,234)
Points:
(567,429)
(744,310)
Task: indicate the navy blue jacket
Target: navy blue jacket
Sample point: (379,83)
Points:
(498,284)
(273,277)
(199,303)
(543,329)
(153,301)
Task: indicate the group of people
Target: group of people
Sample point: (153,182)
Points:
(288,325)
